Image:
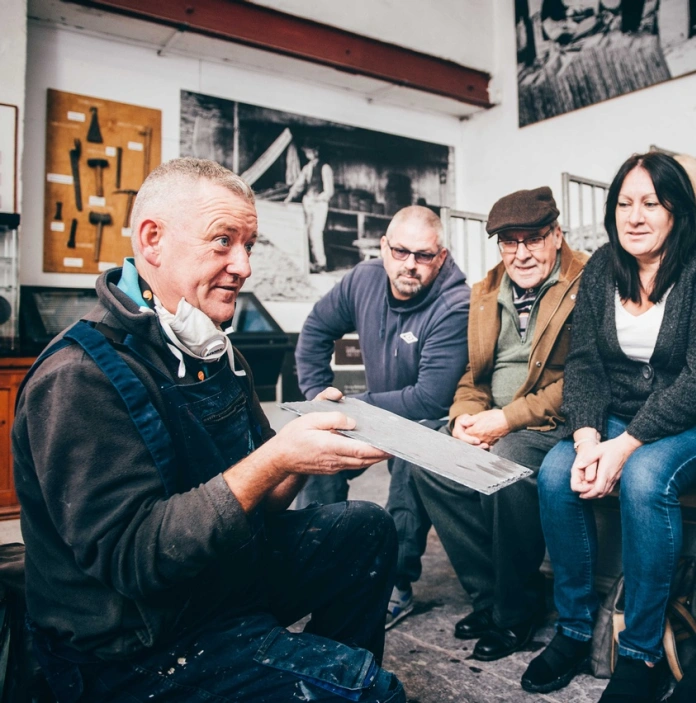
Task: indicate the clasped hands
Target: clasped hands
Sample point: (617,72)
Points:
(598,465)
(483,429)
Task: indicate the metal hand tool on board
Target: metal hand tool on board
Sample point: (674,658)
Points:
(73,232)
(98,165)
(100,220)
(94,133)
(129,204)
(75,154)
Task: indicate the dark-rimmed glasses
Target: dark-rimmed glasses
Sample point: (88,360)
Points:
(421,257)
(533,243)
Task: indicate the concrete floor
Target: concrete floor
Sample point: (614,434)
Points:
(434,666)
(422,651)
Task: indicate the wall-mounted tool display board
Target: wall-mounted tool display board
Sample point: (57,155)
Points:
(98,153)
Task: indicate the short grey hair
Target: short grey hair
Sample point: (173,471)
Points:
(178,172)
(424,215)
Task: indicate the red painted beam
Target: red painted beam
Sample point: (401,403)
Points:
(260,27)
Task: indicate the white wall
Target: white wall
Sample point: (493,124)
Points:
(73,62)
(458,30)
(499,157)
(493,155)
(13,59)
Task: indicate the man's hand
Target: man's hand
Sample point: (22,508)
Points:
(329,393)
(460,430)
(308,445)
(483,429)
(597,468)
(312,445)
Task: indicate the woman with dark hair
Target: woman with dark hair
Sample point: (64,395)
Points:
(629,390)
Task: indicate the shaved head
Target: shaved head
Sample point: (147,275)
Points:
(422,217)
(413,231)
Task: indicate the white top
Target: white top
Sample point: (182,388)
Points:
(638,333)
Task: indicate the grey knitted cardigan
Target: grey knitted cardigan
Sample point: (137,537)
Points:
(659,398)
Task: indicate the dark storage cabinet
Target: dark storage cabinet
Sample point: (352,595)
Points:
(46,311)
(261,341)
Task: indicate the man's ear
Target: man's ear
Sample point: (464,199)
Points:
(149,236)
(558,235)
(384,246)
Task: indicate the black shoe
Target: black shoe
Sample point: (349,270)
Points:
(474,625)
(499,642)
(685,690)
(556,665)
(634,682)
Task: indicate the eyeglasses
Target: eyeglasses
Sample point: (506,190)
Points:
(533,243)
(421,257)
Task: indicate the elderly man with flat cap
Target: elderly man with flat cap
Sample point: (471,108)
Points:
(508,402)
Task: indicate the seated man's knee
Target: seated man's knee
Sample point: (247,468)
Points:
(368,515)
(507,447)
(429,485)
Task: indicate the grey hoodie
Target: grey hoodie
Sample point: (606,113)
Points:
(414,353)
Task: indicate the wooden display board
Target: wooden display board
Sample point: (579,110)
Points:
(86,136)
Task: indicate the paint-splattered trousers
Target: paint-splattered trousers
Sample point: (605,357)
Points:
(335,563)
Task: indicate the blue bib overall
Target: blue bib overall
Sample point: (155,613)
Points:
(208,428)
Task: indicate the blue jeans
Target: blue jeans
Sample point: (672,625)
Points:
(653,478)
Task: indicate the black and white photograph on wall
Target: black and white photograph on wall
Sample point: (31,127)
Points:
(575,53)
(325,191)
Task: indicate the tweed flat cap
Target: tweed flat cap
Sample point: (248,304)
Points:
(524,209)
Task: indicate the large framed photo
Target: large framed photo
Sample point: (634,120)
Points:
(325,192)
(574,53)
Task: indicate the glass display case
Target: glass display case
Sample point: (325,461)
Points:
(46,311)
(9,283)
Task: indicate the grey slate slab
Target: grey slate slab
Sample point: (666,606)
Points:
(435,451)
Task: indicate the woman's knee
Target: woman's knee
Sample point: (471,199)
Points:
(660,472)
(642,485)
(554,474)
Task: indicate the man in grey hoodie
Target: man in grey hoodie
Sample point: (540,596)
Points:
(410,309)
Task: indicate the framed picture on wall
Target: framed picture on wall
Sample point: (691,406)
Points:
(575,53)
(8,157)
(325,191)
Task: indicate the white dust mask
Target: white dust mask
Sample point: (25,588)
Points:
(192,332)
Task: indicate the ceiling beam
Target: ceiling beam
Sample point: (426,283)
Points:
(262,28)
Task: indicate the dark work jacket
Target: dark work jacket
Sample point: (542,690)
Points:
(113,563)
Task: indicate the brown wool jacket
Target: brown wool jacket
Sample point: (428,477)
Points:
(537,404)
